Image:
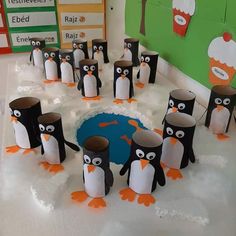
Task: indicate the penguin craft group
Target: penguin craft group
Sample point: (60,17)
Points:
(151,152)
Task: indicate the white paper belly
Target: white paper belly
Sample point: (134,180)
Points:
(172,154)
(122,88)
(21,135)
(51,150)
(219,121)
(145,74)
(90,86)
(78,56)
(140,180)
(51,70)
(100,58)
(94,182)
(67,73)
(127,55)
(38,58)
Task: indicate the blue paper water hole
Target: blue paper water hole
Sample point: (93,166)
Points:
(113,128)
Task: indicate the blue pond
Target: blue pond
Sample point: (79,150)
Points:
(119,126)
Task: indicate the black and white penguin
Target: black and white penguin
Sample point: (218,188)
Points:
(123,82)
(177,147)
(36,54)
(143,165)
(67,67)
(89,82)
(99,52)
(51,64)
(80,51)
(148,68)
(24,113)
(53,141)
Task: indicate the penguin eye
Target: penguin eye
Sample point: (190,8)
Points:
(11,112)
(147,59)
(151,155)
(95,48)
(50,128)
(100,48)
(181,106)
(74,45)
(46,55)
(17,113)
(87,159)
(37,43)
(226,101)
(139,153)
(92,68)
(86,68)
(97,161)
(33,43)
(171,103)
(179,134)
(81,46)
(67,57)
(142,59)
(41,127)
(218,101)
(52,54)
(169,131)
(129,45)
(118,70)
(126,72)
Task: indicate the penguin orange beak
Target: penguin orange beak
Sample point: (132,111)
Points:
(122,76)
(46,137)
(13,119)
(90,73)
(174,109)
(37,49)
(126,49)
(143,64)
(97,51)
(173,141)
(144,163)
(63,60)
(91,168)
(219,108)
(50,59)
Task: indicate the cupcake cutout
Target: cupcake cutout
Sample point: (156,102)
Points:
(222,53)
(183,10)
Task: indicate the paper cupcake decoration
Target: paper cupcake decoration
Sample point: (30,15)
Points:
(222,54)
(80,51)
(97,176)
(220,110)
(183,10)
(36,55)
(24,113)
(143,166)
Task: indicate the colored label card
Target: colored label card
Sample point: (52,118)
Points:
(80,1)
(29,3)
(3,41)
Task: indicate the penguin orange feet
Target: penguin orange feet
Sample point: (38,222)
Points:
(53,168)
(47,81)
(139,85)
(131,100)
(97,203)
(146,199)
(222,137)
(71,85)
(127,194)
(27,151)
(118,101)
(174,174)
(97,98)
(12,149)
(159,131)
(163,166)
(79,196)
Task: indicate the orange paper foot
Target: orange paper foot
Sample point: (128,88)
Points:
(131,100)
(53,168)
(97,98)
(146,199)
(47,81)
(71,85)
(127,194)
(79,196)
(163,165)
(27,151)
(139,85)
(174,174)
(97,203)
(12,149)
(222,137)
(135,124)
(118,101)
(159,131)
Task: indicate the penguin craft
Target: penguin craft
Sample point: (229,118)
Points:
(131,51)
(123,82)
(36,54)
(24,113)
(67,67)
(177,147)
(220,110)
(97,176)
(144,169)
(148,68)
(80,51)
(89,82)
(51,65)
(99,52)
(53,142)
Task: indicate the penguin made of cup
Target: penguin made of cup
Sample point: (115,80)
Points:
(89,82)
(148,69)
(36,55)
(131,49)
(220,110)
(53,142)
(24,113)
(51,65)
(99,52)
(144,168)
(67,67)
(80,51)
(97,176)
(177,147)
(123,82)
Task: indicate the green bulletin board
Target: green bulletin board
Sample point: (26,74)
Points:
(190,53)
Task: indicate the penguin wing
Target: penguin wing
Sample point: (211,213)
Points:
(125,167)
(160,176)
(31,55)
(42,150)
(208,117)
(114,88)
(192,156)
(106,59)
(131,90)
(109,179)
(72,145)
(80,84)
(138,75)
(99,83)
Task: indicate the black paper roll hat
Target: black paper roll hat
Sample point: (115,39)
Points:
(79,41)
(149,53)
(180,120)
(131,40)
(96,144)
(88,62)
(24,103)
(224,90)
(51,49)
(182,95)
(102,41)
(123,63)
(49,118)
